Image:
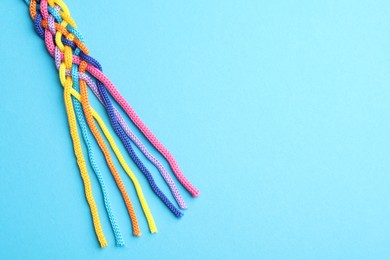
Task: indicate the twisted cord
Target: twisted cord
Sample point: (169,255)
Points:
(77,61)
(53,23)
(127,108)
(128,146)
(85,105)
(66,64)
(59,57)
(67,84)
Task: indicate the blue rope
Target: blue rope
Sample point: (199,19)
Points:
(82,123)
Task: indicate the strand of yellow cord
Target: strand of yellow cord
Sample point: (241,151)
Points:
(81,161)
(76,143)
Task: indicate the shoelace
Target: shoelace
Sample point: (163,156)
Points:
(78,71)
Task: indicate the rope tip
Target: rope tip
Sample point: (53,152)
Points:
(120,244)
(195,193)
(103,244)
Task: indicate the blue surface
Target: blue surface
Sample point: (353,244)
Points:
(278,111)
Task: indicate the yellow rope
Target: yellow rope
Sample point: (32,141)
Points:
(81,162)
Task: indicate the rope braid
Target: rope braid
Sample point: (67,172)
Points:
(67,83)
(78,71)
(116,176)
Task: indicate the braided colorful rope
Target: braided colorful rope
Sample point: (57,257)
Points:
(78,71)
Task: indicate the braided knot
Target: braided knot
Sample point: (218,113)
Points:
(54,24)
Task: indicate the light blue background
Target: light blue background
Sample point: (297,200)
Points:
(278,111)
